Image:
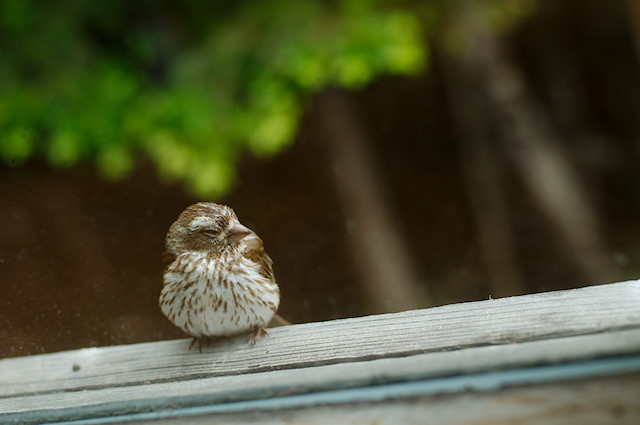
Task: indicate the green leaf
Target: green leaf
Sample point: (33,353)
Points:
(17,144)
(64,149)
(115,161)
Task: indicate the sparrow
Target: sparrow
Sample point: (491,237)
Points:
(218,279)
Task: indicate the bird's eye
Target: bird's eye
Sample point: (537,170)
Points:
(210,232)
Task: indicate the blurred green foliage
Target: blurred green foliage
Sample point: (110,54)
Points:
(188,84)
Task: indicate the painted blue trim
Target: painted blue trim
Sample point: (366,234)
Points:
(488,381)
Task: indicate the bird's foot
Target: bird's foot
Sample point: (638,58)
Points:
(255,333)
(201,340)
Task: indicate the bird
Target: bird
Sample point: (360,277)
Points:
(218,279)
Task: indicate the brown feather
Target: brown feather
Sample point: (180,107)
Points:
(256,253)
(167,258)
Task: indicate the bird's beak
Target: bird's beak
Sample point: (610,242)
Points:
(237,232)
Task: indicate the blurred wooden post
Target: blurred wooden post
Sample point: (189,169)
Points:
(482,166)
(524,133)
(382,258)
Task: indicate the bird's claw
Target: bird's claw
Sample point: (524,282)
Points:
(255,333)
(201,340)
(193,341)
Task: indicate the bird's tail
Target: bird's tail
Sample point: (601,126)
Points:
(278,321)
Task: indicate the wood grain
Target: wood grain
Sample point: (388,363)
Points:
(499,321)
(286,382)
(608,400)
(456,340)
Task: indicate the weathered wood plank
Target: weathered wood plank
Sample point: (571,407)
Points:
(286,382)
(440,343)
(499,321)
(605,400)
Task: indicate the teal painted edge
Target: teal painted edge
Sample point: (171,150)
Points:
(483,382)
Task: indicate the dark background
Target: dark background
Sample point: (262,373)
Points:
(450,165)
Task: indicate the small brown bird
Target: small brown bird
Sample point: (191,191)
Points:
(218,279)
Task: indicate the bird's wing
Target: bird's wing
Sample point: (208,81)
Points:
(255,252)
(167,258)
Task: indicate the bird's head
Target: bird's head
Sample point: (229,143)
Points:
(205,227)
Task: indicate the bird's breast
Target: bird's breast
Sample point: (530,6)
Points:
(220,296)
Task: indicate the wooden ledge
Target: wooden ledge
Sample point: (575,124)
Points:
(578,327)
